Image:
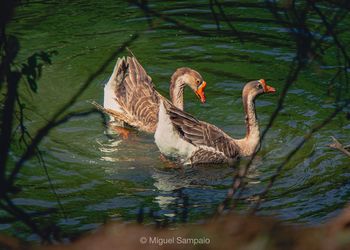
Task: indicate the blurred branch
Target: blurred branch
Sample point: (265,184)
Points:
(10,77)
(330,31)
(150,12)
(307,45)
(54,121)
(238,179)
(337,145)
(296,149)
(7,123)
(212,4)
(20,215)
(233,32)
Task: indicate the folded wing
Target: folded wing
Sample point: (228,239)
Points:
(136,95)
(201,134)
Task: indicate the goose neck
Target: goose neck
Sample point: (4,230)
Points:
(250,143)
(177,86)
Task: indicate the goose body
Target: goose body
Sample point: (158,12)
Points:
(130,97)
(181,136)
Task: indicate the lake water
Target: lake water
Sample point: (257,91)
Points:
(98,176)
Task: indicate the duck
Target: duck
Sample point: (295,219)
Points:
(189,141)
(131,100)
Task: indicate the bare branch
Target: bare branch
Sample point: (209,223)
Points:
(337,145)
(53,122)
(295,150)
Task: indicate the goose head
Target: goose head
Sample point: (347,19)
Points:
(195,81)
(187,76)
(255,88)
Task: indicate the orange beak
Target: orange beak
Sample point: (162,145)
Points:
(267,88)
(270,89)
(200,91)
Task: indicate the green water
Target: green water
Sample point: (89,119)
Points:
(99,177)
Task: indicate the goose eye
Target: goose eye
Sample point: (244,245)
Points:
(198,82)
(259,86)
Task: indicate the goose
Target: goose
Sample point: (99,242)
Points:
(190,141)
(131,100)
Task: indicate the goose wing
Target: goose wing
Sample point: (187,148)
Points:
(135,93)
(200,133)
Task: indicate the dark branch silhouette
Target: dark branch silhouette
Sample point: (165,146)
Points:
(13,111)
(295,150)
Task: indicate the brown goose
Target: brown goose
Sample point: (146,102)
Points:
(179,135)
(130,96)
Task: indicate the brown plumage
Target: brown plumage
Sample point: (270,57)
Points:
(204,142)
(201,134)
(136,96)
(135,102)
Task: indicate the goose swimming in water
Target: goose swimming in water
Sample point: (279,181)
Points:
(131,99)
(180,135)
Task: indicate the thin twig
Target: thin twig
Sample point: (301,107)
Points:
(54,120)
(294,151)
(337,145)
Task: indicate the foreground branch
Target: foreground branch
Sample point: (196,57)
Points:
(337,145)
